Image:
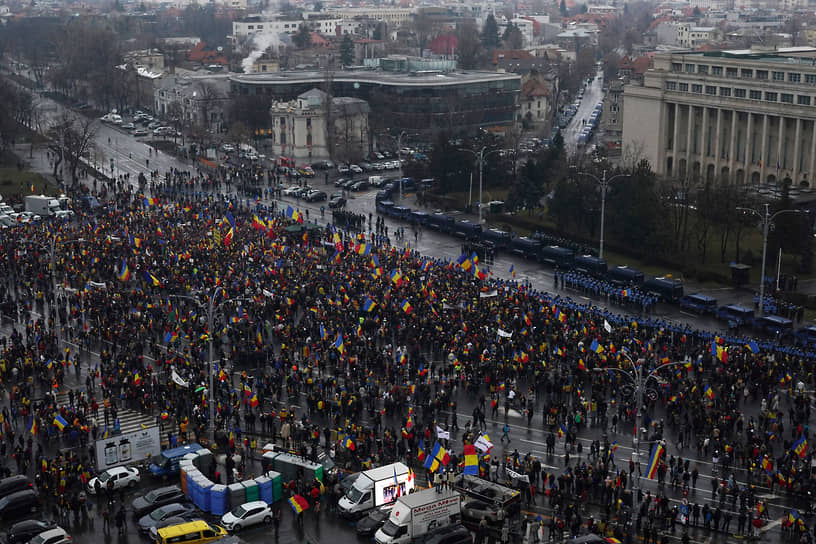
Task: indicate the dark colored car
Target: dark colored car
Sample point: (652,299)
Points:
(450,534)
(162,513)
(337,202)
(19,503)
(373,521)
(23,531)
(13,484)
(158,497)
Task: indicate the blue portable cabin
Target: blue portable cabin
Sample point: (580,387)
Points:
(667,289)
(589,264)
(624,275)
(557,256)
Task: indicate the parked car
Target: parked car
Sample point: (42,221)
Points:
(19,503)
(158,497)
(315,196)
(56,535)
(140,132)
(366,166)
(306,171)
(245,515)
(373,521)
(120,476)
(25,530)
(356,169)
(12,484)
(475,510)
(339,182)
(359,185)
(291,191)
(337,201)
(172,520)
(343,169)
(162,513)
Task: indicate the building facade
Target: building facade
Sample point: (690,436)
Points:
(259,25)
(417,102)
(299,128)
(739,116)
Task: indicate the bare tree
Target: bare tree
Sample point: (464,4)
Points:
(72,138)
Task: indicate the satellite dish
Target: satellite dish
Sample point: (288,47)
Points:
(220,49)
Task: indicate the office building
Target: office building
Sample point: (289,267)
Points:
(741,116)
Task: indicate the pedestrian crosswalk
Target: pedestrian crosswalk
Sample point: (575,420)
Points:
(129,421)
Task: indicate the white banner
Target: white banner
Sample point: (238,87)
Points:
(442,433)
(489,294)
(505,334)
(178,380)
(483,444)
(127,448)
(516,476)
(267,293)
(607,326)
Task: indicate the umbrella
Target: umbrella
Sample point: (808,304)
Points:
(299,504)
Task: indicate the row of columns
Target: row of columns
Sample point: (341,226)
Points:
(719,162)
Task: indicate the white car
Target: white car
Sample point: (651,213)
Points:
(57,535)
(356,169)
(28,217)
(247,514)
(64,214)
(228,148)
(292,191)
(120,476)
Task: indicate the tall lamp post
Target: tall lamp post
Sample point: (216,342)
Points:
(603,183)
(766,219)
(399,158)
(212,309)
(639,379)
(480,157)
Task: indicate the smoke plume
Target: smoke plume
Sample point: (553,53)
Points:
(261,41)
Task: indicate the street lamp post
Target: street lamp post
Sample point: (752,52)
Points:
(480,157)
(766,219)
(399,159)
(603,183)
(212,308)
(639,380)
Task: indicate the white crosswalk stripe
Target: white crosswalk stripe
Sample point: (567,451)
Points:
(129,420)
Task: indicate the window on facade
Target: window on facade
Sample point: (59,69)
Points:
(676,67)
(762,74)
(697,89)
(689,68)
(283,138)
(794,77)
(725,91)
(309,139)
(730,72)
(671,85)
(283,121)
(260,27)
(810,79)
(803,100)
(308,121)
(250,27)
(770,97)
(747,72)
(755,95)
(711,89)
(702,68)
(739,93)
(684,87)
(778,76)
(786,98)
(716,70)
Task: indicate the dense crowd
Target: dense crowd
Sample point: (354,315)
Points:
(379,341)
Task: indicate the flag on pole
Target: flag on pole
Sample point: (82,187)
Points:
(654,461)
(471,460)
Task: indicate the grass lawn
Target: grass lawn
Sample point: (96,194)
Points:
(18,182)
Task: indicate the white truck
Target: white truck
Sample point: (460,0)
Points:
(44,206)
(416,514)
(374,488)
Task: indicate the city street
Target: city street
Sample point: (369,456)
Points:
(593,94)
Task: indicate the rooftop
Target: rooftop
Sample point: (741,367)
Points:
(423,79)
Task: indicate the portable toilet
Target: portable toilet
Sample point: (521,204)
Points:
(277,485)
(218,500)
(265,491)
(268,460)
(204,460)
(253,493)
(237,494)
(204,484)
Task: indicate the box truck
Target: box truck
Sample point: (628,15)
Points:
(416,514)
(374,488)
(44,206)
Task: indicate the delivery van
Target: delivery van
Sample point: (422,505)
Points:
(374,488)
(417,514)
(166,464)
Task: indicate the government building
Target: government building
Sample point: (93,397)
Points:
(743,116)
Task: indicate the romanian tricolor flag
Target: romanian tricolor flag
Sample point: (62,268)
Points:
(471,460)
(596,347)
(709,392)
(124,272)
(363,249)
(60,422)
(298,503)
(151,279)
(369,305)
(338,344)
(654,461)
(349,443)
(33,427)
(294,214)
(151,201)
(254,400)
(396,277)
(800,447)
(406,306)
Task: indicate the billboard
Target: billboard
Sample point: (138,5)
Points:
(127,448)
